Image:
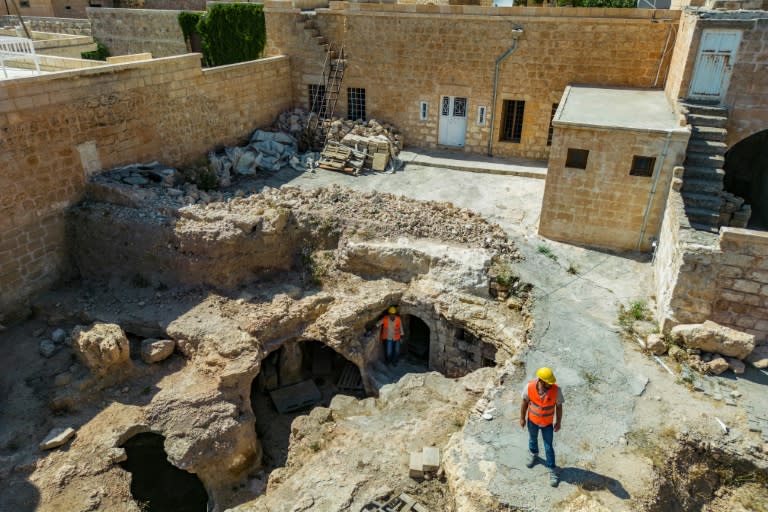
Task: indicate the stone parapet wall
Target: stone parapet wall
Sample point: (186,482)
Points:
(127,31)
(79,27)
(61,127)
(703,276)
(423,52)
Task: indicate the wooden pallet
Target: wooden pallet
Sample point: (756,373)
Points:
(350,380)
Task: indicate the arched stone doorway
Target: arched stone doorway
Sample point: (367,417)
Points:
(293,379)
(156,484)
(746,176)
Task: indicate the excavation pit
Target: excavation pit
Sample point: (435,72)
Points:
(156,484)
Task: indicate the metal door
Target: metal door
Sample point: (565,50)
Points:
(717,54)
(453,121)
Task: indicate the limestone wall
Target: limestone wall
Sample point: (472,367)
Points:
(747,97)
(126,31)
(59,128)
(79,27)
(407,54)
(703,276)
(35,8)
(603,205)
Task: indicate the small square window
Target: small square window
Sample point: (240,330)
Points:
(423,110)
(642,166)
(577,158)
(481,110)
(23,3)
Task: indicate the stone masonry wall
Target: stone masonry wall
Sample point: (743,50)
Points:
(126,31)
(603,205)
(422,52)
(747,97)
(78,27)
(702,276)
(681,64)
(35,8)
(59,128)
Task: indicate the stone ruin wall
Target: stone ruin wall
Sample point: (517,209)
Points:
(128,31)
(702,276)
(424,51)
(77,27)
(59,128)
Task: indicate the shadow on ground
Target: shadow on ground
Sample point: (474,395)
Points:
(591,481)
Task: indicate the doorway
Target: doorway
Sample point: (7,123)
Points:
(714,63)
(417,344)
(746,176)
(453,121)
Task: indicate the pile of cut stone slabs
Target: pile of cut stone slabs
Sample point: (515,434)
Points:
(402,503)
(295,397)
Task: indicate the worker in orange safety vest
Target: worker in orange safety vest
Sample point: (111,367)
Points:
(391,327)
(542,411)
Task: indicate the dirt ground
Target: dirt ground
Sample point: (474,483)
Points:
(630,427)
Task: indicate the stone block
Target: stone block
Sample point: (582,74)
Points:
(430,457)
(57,437)
(415,466)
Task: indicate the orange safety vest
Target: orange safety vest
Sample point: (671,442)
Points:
(385,328)
(541,409)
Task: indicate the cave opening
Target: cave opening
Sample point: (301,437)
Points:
(293,379)
(417,341)
(156,484)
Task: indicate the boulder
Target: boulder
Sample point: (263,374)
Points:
(655,344)
(737,366)
(758,357)
(712,337)
(153,351)
(716,366)
(103,349)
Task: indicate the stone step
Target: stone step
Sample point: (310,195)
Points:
(707,146)
(710,228)
(698,172)
(702,200)
(704,159)
(709,133)
(705,219)
(702,186)
(703,120)
(703,108)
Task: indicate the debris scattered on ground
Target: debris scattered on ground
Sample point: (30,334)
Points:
(402,503)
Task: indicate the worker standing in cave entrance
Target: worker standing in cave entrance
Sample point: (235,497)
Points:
(542,411)
(391,328)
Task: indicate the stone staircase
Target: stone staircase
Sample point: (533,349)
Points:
(703,176)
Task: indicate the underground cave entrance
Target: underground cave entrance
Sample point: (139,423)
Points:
(156,484)
(293,379)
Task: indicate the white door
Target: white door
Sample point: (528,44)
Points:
(453,121)
(717,54)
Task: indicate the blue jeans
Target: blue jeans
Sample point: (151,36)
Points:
(533,442)
(393,351)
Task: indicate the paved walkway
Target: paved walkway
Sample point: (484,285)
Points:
(475,163)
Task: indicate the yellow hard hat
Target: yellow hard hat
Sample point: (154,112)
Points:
(392,310)
(546,375)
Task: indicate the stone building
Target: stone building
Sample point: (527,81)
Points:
(476,79)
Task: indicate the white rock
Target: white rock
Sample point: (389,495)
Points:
(57,437)
(717,366)
(153,351)
(656,344)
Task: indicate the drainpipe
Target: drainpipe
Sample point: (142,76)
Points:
(656,177)
(515,34)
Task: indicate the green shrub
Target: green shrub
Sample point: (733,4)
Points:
(100,53)
(188,22)
(232,33)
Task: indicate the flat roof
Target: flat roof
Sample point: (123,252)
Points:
(607,107)
(17,73)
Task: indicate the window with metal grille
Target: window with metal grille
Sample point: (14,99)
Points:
(23,3)
(577,158)
(551,128)
(642,166)
(317,99)
(355,103)
(512,120)
(423,110)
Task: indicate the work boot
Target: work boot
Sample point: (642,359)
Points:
(531,460)
(554,479)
